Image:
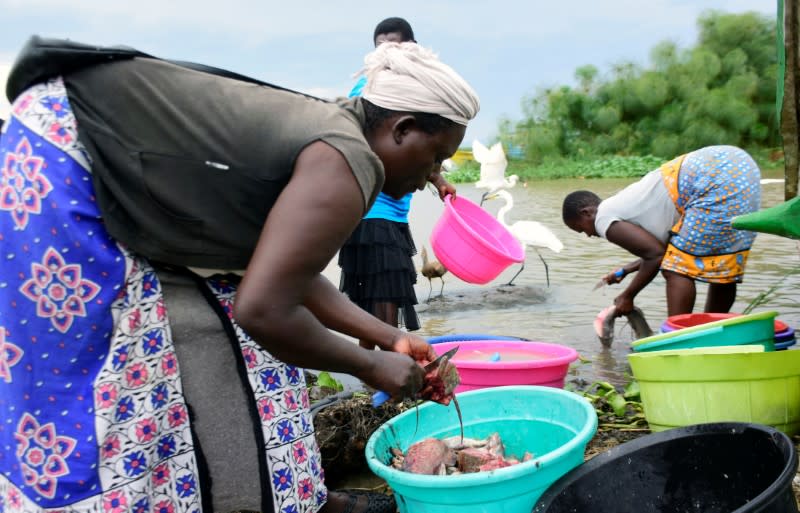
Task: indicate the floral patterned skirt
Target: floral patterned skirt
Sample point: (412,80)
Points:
(709,187)
(93,415)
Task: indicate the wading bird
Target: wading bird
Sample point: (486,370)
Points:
(493,168)
(432,269)
(529,233)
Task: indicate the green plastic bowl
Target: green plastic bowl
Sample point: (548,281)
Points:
(719,384)
(553,424)
(758,328)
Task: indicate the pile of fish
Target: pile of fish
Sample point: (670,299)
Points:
(455,455)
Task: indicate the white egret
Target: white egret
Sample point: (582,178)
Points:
(432,269)
(529,233)
(493,168)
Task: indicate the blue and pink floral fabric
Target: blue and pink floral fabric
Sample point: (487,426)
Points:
(92,415)
(281,397)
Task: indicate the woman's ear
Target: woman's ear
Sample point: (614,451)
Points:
(401,126)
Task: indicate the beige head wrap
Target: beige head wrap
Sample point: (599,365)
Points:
(409,78)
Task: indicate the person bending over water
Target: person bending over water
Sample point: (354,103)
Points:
(378,271)
(677,219)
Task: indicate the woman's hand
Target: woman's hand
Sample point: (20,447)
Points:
(415,347)
(623,304)
(443,187)
(615,276)
(394,373)
(397,374)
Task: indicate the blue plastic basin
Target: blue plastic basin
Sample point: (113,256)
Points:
(553,424)
(459,337)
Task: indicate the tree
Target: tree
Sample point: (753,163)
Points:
(721,91)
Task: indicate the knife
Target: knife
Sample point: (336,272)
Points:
(619,273)
(380,397)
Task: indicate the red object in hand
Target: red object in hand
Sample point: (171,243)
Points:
(441,379)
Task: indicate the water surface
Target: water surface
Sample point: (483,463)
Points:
(564,312)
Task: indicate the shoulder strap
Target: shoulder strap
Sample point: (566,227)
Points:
(43,58)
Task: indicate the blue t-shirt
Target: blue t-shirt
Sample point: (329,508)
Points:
(385,206)
(358,88)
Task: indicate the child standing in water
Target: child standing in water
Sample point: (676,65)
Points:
(378,272)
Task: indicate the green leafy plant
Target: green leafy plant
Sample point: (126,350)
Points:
(324,379)
(616,408)
(469,171)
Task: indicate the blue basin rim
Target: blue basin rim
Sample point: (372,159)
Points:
(463,337)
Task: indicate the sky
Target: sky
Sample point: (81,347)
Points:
(506,49)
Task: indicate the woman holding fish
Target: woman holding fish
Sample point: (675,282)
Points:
(676,219)
(133,377)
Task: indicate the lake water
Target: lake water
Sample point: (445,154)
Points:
(564,312)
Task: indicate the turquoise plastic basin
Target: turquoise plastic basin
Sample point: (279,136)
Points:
(553,424)
(758,328)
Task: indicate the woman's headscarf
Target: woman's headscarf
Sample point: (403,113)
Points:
(409,78)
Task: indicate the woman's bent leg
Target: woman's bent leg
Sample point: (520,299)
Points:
(720,297)
(681,293)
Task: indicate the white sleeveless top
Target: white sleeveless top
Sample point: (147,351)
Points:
(645,203)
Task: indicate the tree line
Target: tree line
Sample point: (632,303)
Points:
(721,91)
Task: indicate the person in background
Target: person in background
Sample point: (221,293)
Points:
(677,219)
(378,272)
(133,377)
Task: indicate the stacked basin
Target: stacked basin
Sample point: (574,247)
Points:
(723,370)
(757,328)
(715,384)
(784,334)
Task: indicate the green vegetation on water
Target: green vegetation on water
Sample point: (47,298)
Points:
(609,166)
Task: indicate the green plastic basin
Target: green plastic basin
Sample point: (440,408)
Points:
(757,328)
(718,384)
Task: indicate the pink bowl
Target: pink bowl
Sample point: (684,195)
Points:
(472,244)
(547,366)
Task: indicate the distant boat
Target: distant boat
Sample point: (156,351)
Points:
(462,156)
(765,181)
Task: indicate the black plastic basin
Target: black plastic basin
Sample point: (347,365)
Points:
(728,467)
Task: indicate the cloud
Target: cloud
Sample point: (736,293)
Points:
(505,49)
(256,21)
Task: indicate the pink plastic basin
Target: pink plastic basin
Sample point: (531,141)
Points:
(547,365)
(472,244)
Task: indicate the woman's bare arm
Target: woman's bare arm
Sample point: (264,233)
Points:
(313,215)
(641,243)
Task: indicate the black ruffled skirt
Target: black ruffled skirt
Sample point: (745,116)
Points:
(377,267)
